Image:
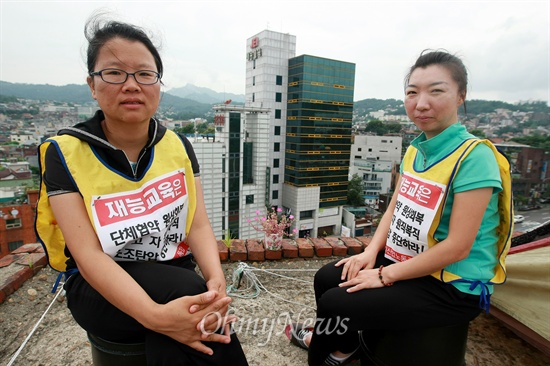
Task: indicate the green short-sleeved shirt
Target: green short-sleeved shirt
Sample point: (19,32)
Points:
(478,170)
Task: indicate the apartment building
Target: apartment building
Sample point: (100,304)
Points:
(376,160)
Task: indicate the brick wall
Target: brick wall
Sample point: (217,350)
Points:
(25,233)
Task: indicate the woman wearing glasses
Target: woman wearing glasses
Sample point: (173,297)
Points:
(121,210)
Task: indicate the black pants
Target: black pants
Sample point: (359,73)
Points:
(418,303)
(163,282)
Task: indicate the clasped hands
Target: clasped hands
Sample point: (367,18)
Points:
(193,319)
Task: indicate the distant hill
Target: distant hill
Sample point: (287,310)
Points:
(365,106)
(183,108)
(205,95)
(192,101)
(474,107)
(173,106)
(71,93)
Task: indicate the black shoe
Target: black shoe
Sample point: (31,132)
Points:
(296,332)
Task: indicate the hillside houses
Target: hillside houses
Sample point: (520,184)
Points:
(24,124)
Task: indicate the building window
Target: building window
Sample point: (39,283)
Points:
(275,163)
(277,114)
(277,146)
(254,64)
(253,80)
(277,131)
(14,245)
(306,214)
(253,97)
(275,178)
(249,199)
(275,195)
(279,80)
(13,223)
(248,175)
(278,97)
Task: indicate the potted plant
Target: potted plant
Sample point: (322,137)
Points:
(274,225)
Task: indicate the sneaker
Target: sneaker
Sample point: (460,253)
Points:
(297,333)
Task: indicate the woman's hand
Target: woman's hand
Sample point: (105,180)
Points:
(366,278)
(179,323)
(211,323)
(355,263)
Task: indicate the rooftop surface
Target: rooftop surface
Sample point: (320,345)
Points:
(287,295)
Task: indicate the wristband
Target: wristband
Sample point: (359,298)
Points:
(386,284)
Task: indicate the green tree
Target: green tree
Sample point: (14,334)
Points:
(203,128)
(539,141)
(375,126)
(393,127)
(187,129)
(355,191)
(380,128)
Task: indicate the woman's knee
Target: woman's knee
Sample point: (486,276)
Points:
(328,276)
(165,282)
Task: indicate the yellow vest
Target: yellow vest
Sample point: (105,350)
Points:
(135,219)
(423,196)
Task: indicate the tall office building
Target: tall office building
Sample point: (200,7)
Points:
(267,58)
(265,156)
(318,142)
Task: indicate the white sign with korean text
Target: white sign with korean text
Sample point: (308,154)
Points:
(417,204)
(144,224)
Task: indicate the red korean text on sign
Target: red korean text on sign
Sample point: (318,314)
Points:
(139,203)
(422,193)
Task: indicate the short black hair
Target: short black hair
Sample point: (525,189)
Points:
(99,31)
(443,58)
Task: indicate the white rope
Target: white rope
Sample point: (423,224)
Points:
(244,271)
(282,276)
(35,327)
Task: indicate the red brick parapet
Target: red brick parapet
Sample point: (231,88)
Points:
(305,248)
(21,265)
(27,260)
(253,249)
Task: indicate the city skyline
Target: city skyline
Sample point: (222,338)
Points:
(505,44)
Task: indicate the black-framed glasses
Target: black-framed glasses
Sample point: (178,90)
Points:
(117,76)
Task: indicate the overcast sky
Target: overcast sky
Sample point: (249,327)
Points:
(504,44)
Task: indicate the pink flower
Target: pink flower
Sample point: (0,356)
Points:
(273,222)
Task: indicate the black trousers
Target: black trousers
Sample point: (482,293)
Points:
(163,282)
(417,303)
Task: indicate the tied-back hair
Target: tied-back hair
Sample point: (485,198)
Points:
(99,30)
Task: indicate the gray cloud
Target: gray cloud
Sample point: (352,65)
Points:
(505,45)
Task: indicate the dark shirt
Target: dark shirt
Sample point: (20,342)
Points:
(56,177)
